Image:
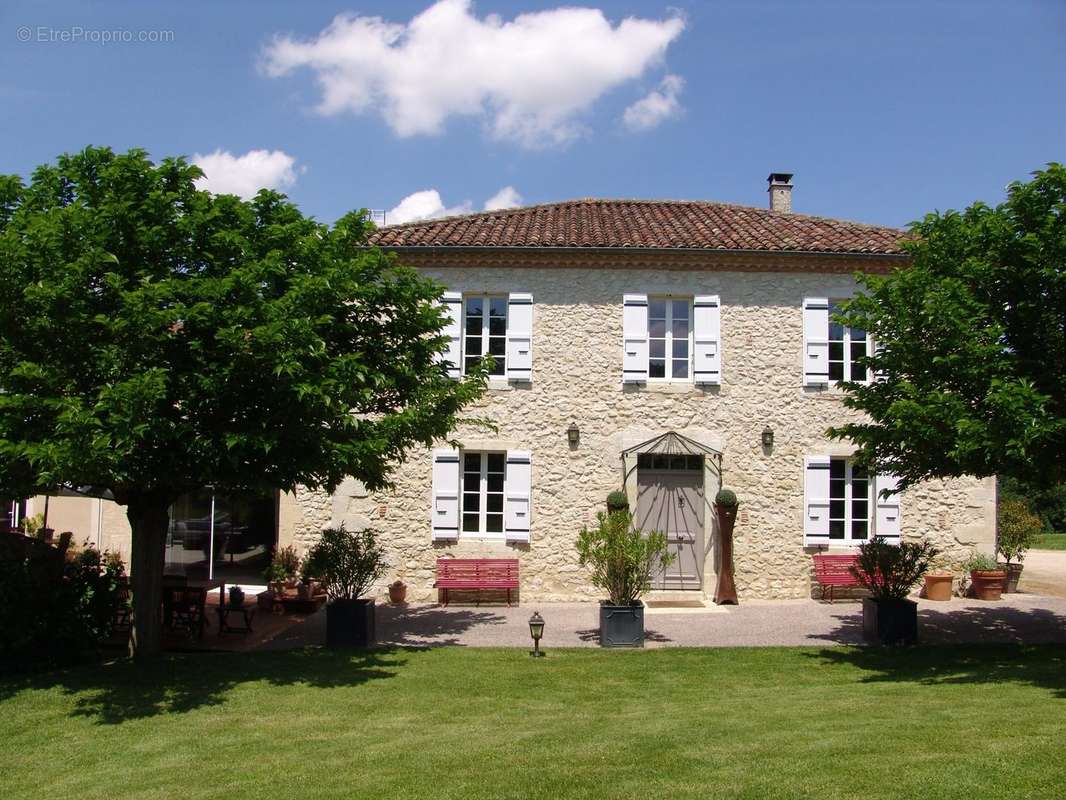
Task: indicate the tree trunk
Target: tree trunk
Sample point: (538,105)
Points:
(149,518)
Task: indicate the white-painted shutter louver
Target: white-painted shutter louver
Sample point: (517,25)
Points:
(635,338)
(517,494)
(445,511)
(816,501)
(706,333)
(520,336)
(886,522)
(453,306)
(816,341)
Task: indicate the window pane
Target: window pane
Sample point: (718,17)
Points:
(836,529)
(498,307)
(836,332)
(470,523)
(474,306)
(681,348)
(495,481)
(836,351)
(836,468)
(496,462)
(680,369)
(656,368)
(494,503)
(471,363)
(497,326)
(494,523)
(680,309)
(858,350)
(657,309)
(644,461)
(471,501)
(657,327)
(859,510)
(836,509)
(677,462)
(473,345)
(473,325)
(657,348)
(836,370)
(694,462)
(497,345)
(858,335)
(859,529)
(472,462)
(661,461)
(679,328)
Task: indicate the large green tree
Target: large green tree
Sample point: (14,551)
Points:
(970,344)
(155,339)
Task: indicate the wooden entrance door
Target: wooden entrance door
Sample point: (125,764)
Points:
(670,499)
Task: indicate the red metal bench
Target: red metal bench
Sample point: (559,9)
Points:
(833,571)
(477,573)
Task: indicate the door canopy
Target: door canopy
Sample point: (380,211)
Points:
(673,443)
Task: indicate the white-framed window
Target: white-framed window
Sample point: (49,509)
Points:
(485,331)
(850,502)
(484,476)
(669,339)
(846,347)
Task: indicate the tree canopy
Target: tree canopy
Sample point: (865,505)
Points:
(970,344)
(156,338)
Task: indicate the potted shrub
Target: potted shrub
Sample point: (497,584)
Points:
(617,501)
(397,592)
(1018,527)
(275,577)
(622,560)
(236,597)
(346,564)
(938,584)
(725,506)
(986,576)
(889,572)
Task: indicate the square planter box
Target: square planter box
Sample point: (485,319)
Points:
(622,626)
(889,621)
(350,623)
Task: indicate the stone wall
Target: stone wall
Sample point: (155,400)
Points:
(577,347)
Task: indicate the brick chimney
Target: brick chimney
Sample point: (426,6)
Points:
(780,190)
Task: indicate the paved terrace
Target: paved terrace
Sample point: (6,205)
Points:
(1023,617)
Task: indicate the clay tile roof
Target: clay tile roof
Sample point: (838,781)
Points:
(655,224)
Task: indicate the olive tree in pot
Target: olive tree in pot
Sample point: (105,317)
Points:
(346,564)
(623,560)
(1018,526)
(889,572)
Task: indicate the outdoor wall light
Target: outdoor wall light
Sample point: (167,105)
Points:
(768,437)
(573,434)
(536,630)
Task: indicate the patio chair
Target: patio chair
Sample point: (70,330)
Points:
(184,607)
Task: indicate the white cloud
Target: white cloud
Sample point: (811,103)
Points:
(530,77)
(425,204)
(225,173)
(656,106)
(507,197)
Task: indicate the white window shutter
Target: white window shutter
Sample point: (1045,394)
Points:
(707,339)
(453,307)
(445,511)
(816,341)
(816,501)
(886,522)
(520,336)
(635,338)
(517,494)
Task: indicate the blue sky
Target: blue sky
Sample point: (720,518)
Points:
(883,110)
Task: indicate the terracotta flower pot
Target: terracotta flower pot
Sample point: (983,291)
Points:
(987,585)
(938,585)
(397,592)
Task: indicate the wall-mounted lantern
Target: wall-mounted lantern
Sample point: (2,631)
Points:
(573,434)
(767,437)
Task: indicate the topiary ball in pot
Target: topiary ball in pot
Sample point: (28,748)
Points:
(617,501)
(726,497)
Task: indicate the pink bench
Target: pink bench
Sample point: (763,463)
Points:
(833,571)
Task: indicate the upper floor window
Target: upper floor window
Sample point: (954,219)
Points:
(846,347)
(669,339)
(485,332)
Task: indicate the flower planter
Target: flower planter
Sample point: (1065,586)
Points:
(622,626)
(350,623)
(1013,574)
(397,593)
(725,593)
(938,585)
(889,621)
(987,584)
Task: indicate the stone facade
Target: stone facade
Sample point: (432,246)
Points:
(577,378)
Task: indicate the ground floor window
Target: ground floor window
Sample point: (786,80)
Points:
(850,492)
(483,479)
(235,543)
(14,513)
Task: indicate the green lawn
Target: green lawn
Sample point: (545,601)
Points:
(1050,541)
(963,722)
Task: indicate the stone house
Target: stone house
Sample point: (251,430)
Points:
(663,348)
